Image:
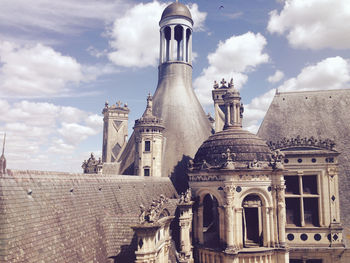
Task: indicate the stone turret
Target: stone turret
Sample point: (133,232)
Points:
(115,131)
(219,106)
(148,143)
(2,158)
(233,107)
(186,124)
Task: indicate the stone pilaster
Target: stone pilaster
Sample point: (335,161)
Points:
(229,218)
(281,215)
(185,223)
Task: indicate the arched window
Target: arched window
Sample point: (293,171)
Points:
(179,45)
(210,221)
(252,221)
(167,36)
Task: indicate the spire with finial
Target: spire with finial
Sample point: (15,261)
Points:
(2,158)
(148,111)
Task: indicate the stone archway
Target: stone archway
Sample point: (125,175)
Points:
(252,221)
(211,226)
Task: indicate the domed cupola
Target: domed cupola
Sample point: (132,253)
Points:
(233,145)
(177,9)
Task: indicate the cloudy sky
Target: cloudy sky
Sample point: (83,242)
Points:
(61,60)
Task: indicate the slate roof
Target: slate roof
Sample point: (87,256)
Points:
(61,217)
(321,114)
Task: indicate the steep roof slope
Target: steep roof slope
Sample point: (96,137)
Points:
(60,217)
(322,114)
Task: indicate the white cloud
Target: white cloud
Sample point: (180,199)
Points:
(36,71)
(40,71)
(276,77)
(235,57)
(255,111)
(64,16)
(138,45)
(37,131)
(330,73)
(313,24)
(198,17)
(74,133)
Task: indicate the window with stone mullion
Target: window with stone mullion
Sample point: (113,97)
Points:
(302,200)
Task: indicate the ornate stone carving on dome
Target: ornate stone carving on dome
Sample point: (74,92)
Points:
(229,159)
(327,144)
(205,165)
(155,210)
(276,160)
(186,197)
(254,164)
(200,178)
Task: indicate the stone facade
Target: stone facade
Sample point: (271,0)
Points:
(243,199)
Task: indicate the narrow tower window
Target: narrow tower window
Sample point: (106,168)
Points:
(147,146)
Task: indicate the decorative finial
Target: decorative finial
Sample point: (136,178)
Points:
(119,103)
(223,82)
(231,83)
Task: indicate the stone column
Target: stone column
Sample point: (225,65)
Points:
(172,43)
(190,49)
(239,230)
(229,220)
(185,221)
(161,46)
(200,224)
(281,208)
(183,44)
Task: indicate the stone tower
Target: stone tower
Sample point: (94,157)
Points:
(186,125)
(148,143)
(2,158)
(115,131)
(238,186)
(219,106)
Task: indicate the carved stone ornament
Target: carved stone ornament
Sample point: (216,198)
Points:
(254,164)
(276,160)
(298,141)
(152,214)
(229,157)
(186,197)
